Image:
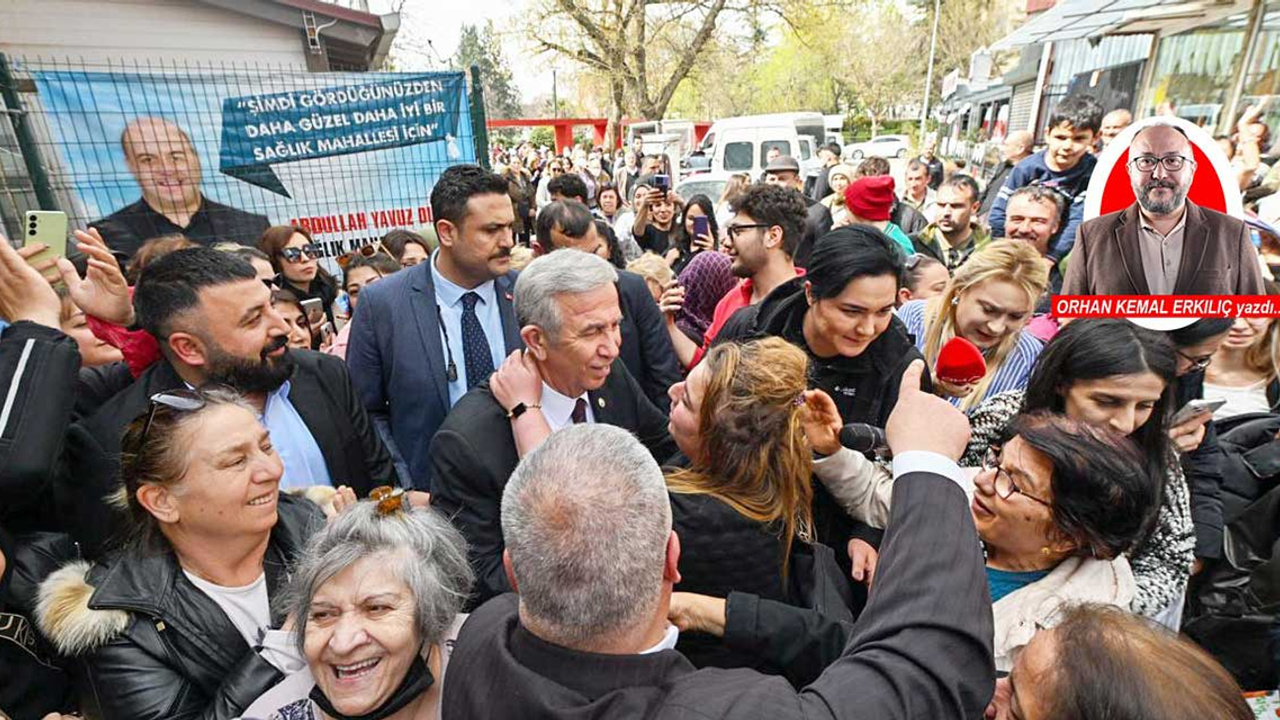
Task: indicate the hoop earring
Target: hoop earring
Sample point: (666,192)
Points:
(955,299)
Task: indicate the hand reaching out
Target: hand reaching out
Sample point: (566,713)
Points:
(103,292)
(922,421)
(822,422)
(864,559)
(672,300)
(517,381)
(24,293)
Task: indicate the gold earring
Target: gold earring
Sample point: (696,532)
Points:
(1046,551)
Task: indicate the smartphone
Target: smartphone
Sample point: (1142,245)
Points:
(46,227)
(662,183)
(314,309)
(702,226)
(1196,407)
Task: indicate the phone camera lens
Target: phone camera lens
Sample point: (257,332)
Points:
(32,232)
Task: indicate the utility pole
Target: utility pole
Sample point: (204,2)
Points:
(928,82)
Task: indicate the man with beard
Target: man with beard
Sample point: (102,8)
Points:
(1162,244)
(423,337)
(761,236)
(955,234)
(216,325)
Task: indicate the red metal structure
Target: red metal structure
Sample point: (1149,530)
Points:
(563,128)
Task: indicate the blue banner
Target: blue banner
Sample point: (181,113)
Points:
(347,155)
(261,130)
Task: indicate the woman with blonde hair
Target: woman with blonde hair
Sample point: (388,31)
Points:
(1243,371)
(988,302)
(738,184)
(744,497)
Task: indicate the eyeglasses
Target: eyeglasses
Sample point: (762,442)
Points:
(294,254)
(735,230)
(271,284)
(1197,363)
(913,260)
(178,400)
(366,251)
(1171,163)
(1004,485)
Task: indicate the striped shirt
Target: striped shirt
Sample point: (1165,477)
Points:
(1012,374)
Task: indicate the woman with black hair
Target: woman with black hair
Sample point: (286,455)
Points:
(685,240)
(1114,373)
(842,314)
(1197,437)
(296,257)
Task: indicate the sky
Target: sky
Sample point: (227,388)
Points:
(441,21)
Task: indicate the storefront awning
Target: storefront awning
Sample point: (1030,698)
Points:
(1076,19)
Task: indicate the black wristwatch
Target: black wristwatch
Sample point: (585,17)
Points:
(519,409)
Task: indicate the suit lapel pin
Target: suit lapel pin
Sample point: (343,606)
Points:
(600,402)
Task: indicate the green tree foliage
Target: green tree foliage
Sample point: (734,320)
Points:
(481,46)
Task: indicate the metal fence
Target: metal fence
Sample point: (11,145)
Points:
(349,154)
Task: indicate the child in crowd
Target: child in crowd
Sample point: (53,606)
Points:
(1065,166)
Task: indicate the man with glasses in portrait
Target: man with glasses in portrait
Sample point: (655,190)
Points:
(1163,244)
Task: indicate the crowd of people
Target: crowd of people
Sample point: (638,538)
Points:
(589,449)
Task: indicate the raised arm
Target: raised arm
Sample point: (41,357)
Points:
(923,645)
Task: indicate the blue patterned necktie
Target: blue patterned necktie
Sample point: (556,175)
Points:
(475,346)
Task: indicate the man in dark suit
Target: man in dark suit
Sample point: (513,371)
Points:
(164,161)
(216,325)
(646,345)
(1162,244)
(569,313)
(591,550)
(423,337)
(785,171)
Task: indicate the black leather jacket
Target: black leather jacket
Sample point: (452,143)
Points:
(152,646)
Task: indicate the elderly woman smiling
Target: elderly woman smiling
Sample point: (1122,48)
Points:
(376,597)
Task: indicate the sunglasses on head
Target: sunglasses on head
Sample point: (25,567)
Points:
(294,254)
(912,261)
(181,400)
(366,251)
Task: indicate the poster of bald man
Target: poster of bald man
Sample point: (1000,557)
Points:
(166,165)
(219,156)
(1167,219)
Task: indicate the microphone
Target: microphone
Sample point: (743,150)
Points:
(863,438)
(960,362)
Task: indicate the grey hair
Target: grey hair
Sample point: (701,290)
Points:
(586,517)
(563,272)
(426,551)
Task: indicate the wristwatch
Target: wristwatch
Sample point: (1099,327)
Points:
(519,409)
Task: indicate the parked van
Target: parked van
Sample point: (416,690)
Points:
(741,144)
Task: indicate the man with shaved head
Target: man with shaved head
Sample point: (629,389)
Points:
(1015,148)
(1113,123)
(1163,244)
(164,162)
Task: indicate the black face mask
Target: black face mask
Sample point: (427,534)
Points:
(416,681)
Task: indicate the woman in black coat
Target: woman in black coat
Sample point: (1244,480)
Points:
(178,623)
(742,505)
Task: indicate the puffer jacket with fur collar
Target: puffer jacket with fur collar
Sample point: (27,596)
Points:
(149,644)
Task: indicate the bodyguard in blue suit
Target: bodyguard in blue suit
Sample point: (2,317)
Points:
(424,336)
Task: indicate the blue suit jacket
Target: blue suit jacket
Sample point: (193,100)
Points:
(398,365)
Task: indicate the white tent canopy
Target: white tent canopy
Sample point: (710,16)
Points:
(1076,19)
